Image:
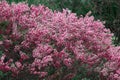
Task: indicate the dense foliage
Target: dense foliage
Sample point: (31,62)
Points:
(38,43)
(107,10)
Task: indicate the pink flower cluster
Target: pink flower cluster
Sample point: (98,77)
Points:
(37,39)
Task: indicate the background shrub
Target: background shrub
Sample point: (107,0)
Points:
(105,10)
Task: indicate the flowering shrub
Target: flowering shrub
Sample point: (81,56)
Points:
(39,43)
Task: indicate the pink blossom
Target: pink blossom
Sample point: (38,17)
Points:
(18,65)
(68,62)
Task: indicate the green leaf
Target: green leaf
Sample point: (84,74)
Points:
(1,53)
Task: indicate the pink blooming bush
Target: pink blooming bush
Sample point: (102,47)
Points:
(39,43)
